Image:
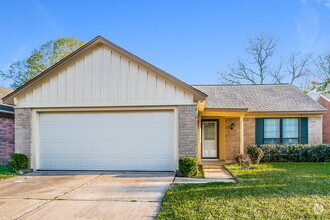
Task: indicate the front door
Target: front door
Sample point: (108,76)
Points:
(210,139)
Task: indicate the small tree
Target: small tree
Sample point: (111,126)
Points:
(42,58)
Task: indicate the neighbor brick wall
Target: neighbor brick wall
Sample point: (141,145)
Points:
(326,120)
(7,138)
(188,130)
(232,138)
(23,131)
(315,130)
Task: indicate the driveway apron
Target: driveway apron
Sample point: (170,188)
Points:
(84,195)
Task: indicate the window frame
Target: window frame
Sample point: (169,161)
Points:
(281,130)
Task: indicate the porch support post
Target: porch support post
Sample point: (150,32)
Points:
(241,134)
(222,146)
(199,141)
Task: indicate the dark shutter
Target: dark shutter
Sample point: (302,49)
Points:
(304,130)
(259,131)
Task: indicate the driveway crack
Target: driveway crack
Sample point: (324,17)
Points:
(56,197)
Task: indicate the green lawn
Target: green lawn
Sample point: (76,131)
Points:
(6,172)
(266,191)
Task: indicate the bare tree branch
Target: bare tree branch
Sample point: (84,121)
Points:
(276,74)
(260,49)
(323,73)
(297,65)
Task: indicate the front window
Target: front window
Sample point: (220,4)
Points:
(272,132)
(281,131)
(290,131)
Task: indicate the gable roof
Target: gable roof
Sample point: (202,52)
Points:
(259,98)
(9,99)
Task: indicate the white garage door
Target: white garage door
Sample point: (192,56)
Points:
(107,141)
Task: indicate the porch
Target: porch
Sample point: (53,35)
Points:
(222,135)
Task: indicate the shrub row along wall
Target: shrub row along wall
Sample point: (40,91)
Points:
(296,153)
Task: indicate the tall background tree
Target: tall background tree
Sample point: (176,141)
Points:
(45,56)
(323,74)
(260,67)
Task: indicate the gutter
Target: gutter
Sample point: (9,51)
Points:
(7,112)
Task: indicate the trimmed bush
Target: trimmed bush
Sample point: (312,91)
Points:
(296,153)
(244,161)
(273,153)
(188,166)
(256,153)
(18,161)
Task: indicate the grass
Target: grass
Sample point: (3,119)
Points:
(6,172)
(266,191)
(200,173)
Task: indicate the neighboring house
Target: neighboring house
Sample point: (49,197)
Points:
(324,100)
(103,108)
(7,130)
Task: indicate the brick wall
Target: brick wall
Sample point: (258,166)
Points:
(232,138)
(315,130)
(249,131)
(326,120)
(188,130)
(23,131)
(7,139)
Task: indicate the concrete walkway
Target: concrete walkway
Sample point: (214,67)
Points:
(213,172)
(184,180)
(83,195)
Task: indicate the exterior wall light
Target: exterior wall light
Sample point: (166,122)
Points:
(232,126)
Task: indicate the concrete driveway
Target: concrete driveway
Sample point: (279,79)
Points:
(83,195)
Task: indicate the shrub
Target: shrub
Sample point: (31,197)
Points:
(244,161)
(18,161)
(188,166)
(256,153)
(273,153)
(6,169)
(296,153)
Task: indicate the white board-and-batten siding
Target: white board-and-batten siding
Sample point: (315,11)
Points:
(103,77)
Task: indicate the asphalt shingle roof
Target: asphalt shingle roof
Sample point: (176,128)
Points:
(4,91)
(259,98)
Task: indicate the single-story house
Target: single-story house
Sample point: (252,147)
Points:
(324,100)
(7,130)
(103,108)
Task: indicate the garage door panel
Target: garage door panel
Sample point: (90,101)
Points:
(107,141)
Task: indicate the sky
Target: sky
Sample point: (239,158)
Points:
(192,40)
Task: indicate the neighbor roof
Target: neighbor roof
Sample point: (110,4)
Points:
(325,95)
(9,99)
(259,98)
(4,109)
(4,91)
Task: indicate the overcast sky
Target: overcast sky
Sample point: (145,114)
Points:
(191,40)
